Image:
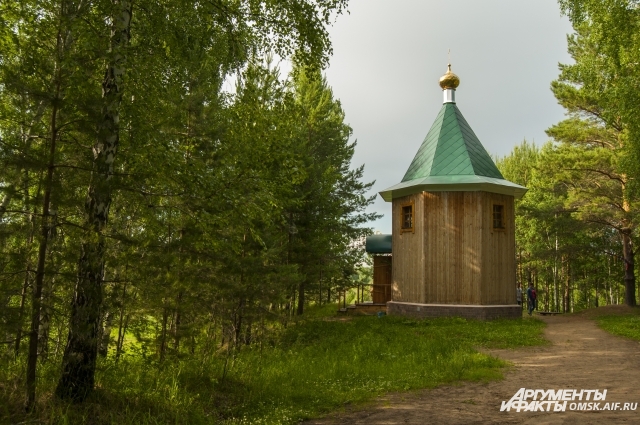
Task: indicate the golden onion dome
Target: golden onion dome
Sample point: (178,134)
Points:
(449,80)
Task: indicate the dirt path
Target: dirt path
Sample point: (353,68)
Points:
(581,356)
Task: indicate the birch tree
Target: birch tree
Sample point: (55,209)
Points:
(295,25)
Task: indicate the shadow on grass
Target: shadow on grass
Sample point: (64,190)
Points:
(316,366)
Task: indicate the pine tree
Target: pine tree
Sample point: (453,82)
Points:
(593,150)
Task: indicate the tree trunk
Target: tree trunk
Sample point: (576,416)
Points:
(23,298)
(163,334)
(6,200)
(629,268)
(79,361)
(567,283)
(26,282)
(548,301)
(177,320)
(535,285)
(300,298)
(32,229)
(45,320)
(121,334)
(121,327)
(45,229)
(237,323)
(556,301)
(320,289)
(105,338)
(120,337)
(247,335)
(587,290)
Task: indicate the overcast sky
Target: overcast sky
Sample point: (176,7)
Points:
(388,56)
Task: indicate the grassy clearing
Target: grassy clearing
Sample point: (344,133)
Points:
(310,368)
(626,324)
(324,311)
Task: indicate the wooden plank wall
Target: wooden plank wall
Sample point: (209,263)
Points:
(499,253)
(408,255)
(455,256)
(453,247)
(382,280)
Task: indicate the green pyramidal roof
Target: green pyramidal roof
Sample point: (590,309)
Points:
(451,148)
(451,158)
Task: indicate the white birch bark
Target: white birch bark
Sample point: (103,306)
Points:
(79,361)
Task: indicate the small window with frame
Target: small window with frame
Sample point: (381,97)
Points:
(407,217)
(498,217)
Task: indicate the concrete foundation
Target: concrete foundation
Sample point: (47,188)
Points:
(481,312)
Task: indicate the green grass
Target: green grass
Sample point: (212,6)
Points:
(310,368)
(319,312)
(627,325)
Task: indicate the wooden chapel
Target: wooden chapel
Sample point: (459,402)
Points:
(453,241)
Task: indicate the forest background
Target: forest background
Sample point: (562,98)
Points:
(140,202)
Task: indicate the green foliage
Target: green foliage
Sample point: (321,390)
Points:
(577,225)
(601,86)
(306,370)
(573,262)
(607,40)
(220,210)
